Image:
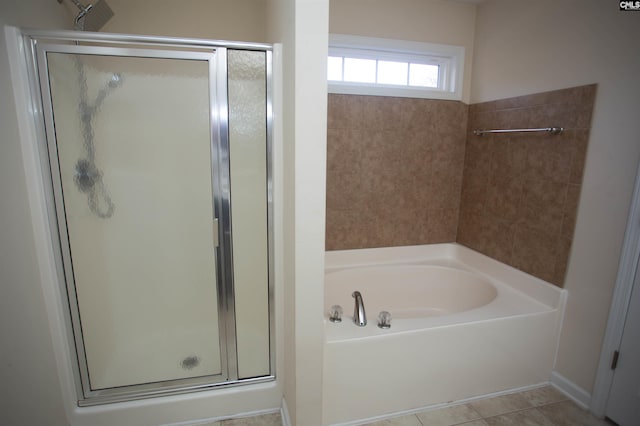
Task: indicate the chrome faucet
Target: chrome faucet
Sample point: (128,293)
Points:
(359,316)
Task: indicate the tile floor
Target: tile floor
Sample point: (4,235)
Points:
(262,420)
(542,406)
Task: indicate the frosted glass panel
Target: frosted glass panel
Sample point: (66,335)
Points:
(248,172)
(134,152)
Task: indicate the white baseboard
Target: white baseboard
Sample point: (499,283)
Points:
(284,414)
(570,389)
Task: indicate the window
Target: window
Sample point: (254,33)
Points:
(407,73)
(370,66)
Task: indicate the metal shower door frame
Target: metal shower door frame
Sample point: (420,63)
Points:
(38,44)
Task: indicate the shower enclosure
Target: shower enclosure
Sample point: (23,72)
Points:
(158,153)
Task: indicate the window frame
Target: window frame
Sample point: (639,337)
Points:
(449,58)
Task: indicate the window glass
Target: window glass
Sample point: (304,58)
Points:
(423,75)
(360,70)
(392,72)
(334,68)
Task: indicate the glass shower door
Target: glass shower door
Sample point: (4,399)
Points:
(134,160)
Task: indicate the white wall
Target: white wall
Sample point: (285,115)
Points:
(302,28)
(427,21)
(524,47)
(281,30)
(30,391)
(311,51)
(236,20)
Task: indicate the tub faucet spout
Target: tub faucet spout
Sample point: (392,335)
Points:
(359,316)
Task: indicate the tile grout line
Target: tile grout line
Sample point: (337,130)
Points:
(521,410)
(480,417)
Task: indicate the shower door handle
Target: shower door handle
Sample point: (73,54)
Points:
(216,238)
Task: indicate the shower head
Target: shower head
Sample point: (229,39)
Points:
(93,16)
(97,17)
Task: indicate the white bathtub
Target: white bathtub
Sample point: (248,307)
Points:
(463,325)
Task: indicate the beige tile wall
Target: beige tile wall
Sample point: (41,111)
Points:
(520,192)
(399,173)
(394,170)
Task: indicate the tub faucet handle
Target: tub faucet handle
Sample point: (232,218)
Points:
(335,313)
(384,319)
(359,315)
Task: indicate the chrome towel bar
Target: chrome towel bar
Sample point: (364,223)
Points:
(552,130)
